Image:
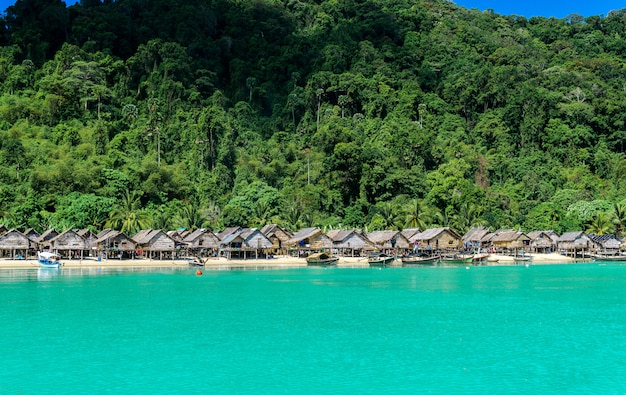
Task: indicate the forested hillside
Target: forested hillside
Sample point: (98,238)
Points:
(332,113)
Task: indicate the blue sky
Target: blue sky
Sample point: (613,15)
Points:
(556,8)
(527,8)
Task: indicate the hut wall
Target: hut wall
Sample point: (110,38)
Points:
(206,240)
(257,241)
(352,241)
(14,241)
(70,241)
(320,241)
(161,242)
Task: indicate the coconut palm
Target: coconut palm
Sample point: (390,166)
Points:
(416,215)
(128,216)
(619,217)
(386,217)
(191,217)
(600,224)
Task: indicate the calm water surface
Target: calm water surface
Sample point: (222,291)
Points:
(497,330)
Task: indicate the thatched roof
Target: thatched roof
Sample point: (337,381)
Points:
(303,234)
(383,236)
(503,236)
(430,234)
(228,231)
(476,234)
(571,236)
(273,229)
(410,232)
(47,235)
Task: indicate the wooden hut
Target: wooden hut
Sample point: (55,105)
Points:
(389,241)
(14,244)
(229,231)
(509,241)
(43,241)
(437,239)
(349,242)
(575,243)
(68,244)
(473,239)
(115,244)
(90,239)
(278,236)
(202,242)
(543,241)
(153,243)
(309,240)
(32,235)
(606,245)
(409,233)
(245,244)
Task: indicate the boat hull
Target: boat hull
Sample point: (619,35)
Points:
(322,262)
(381,261)
(419,261)
(51,265)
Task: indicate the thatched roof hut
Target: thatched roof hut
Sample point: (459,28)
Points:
(248,240)
(43,241)
(575,241)
(277,235)
(509,239)
(543,240)
(201,239)
(606,244)
(409,233)
(69,243)
(14,242)
(349,241)
(153,241)
(441,239)
(114,240)
(475,236)
(229,231)
(310,239)
(32,234)
(389,239)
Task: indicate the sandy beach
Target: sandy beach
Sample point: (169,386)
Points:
(277,262)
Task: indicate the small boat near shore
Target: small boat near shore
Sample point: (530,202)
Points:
(418,259)
(49,259)
(609,258)
(380,259)
(456,259)
(479,259)
(321,259)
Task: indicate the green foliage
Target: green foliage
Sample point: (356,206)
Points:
(363,114)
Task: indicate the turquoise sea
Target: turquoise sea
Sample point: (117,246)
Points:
(478,330)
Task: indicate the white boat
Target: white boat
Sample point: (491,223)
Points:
(49,259)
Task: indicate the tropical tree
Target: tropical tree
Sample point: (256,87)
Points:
(416,215)
(191,217)
(128,216)
(619,218)
(600,224)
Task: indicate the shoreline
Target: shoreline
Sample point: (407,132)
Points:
(280,262)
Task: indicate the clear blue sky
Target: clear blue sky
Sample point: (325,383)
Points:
(556,8)
(527,8)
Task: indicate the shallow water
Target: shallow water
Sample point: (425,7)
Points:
(511,329)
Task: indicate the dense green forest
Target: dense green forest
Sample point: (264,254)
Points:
(375,114)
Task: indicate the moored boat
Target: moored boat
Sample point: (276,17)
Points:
(609,258)
(417,259)
(456,259)
(321,259)
(48,259)
(380,259)
(479,259)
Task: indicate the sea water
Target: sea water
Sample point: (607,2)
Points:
(470,330)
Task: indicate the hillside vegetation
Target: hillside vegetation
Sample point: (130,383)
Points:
(333,113)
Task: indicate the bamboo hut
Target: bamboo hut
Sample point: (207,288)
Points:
(90,239)
(115,244)
(32,235)
(246,243)
(606,245)
(409,233)
(543,241)
(68,244)
(43,241)
(229,231)
(571,243)
(14,244)
(309,240)
(389,241)
(437,239)
(474,238)
(202,242)
(349,242)
(278,236)
(509,240)
(154,242)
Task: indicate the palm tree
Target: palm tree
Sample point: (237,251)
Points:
(619,218)
(386,217)
(261,212)
(191,217)
(128,216)
(600,224)
(416,216)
